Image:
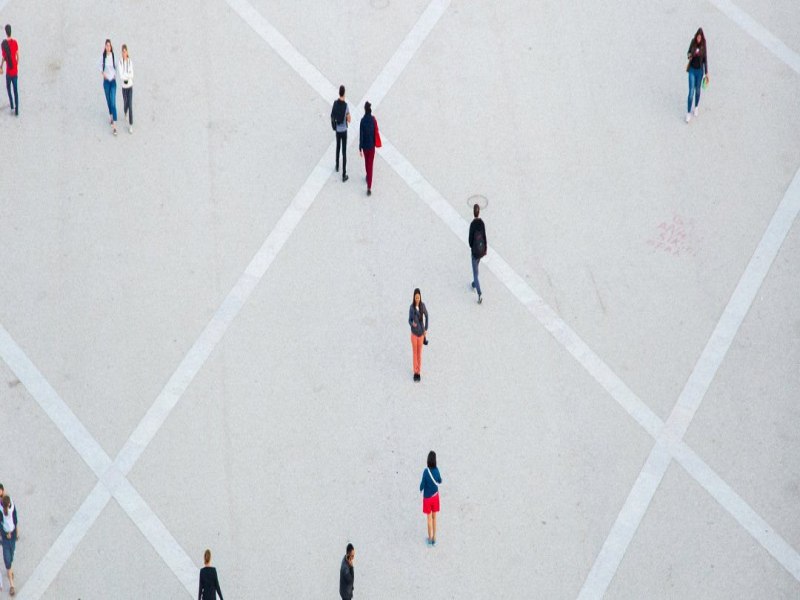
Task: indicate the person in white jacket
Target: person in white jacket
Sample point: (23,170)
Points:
(126,74)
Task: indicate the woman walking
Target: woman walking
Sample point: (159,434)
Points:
(126,74)
(418,320)
(367,141)
(209,584)
(697,69)
(9,531)
(429,486)
(108,69)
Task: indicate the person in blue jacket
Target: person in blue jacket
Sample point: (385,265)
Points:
(429,486)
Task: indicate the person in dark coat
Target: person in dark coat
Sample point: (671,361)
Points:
(209,584)
(366,142)
(477,246)
(347,573)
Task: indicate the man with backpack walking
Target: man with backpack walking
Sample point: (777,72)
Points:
(478,247)
(10,60)
(340,119)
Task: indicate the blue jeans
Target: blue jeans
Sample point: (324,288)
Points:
(110,89)
(695,82)
(8,548)
(12,81)
(475,283)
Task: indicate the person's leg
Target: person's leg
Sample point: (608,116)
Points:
(475,282)
(369,158)
(8,89)
(16,94)
(107,94)
(415,353)
(691,93)
(698,84)
(344,154)
(433,520)
(338,146)
(112,93)
(430,526)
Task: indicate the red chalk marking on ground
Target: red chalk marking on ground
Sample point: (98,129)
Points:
(675,237)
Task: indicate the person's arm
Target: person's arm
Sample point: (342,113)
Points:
(360,137)
(705,59)
(200,586)
(216,585)
(485,239)
(440,477)
(422,481)
(347,108)
(425,314)
(471,238)
(411,316)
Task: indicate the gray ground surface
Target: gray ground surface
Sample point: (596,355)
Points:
(302,429)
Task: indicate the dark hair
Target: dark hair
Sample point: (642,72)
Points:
(476,210)
(414,296)
(349,549)
(8,30)
(368,108)
(701,34)
(207,556)
(341,90)
(431,459)
(2,489)
(6,504)
(113,58)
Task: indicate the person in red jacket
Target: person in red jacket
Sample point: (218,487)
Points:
(10,60)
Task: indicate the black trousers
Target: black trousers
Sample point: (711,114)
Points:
(127,103)
(341,142)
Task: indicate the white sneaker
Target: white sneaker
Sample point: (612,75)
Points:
(688,117)
(696,108)
(130,129)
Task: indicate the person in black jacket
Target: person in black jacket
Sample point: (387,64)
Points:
(697,69)
(366,143)
(418,320)
(347,573)
(209,584)
(478,247)
(340,119)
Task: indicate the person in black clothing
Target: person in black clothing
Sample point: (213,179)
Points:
(340,119)
(697,69)
(347,574)
(209,584)
(478,247)
(366,142)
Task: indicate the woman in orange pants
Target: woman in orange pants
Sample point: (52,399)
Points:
(418,320)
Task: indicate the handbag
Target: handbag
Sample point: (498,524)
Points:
(378,142)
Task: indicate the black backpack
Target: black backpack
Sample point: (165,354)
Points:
(7,52)
(338,113)
(478,244)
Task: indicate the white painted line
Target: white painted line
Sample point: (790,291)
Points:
(310,74)
(755,525)
(621,534)
(562,332)
(628,520)
(56,557)
(760,33)
(52,405)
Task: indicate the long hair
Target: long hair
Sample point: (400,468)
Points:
(414,297)
(113,58)
(431,459)
(6,504)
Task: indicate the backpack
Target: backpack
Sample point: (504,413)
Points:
(7,53)
(338,116)
(479,244)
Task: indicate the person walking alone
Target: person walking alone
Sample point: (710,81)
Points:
(108,70)
(418,320)
(209,584)
(10,60)
(478,247)
(368,140)
(126,75)
(429,486)
(697,68)
(9,532)
(340,119)
(347,573)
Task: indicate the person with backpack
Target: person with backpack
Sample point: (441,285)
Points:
(340,119)
(108,69)
(429,486)
(10,59)
(418,320)
(478,247)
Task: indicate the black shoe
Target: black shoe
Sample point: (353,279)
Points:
(473,285)
(337,168)
(345,178)
(416,376)
(480,298)
(369,192)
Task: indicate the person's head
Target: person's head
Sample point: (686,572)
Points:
(417,297)
(108,47)
(8,30)
(368,108)
(2,490)
(699,37)
(6,503)
(431,459)
(207,557)
(341,91)
(476,210)
(124,50)
(350,553)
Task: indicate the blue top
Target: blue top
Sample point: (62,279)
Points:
(366,138)
(428,486)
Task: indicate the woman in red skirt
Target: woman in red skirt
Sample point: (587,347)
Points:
(429,486)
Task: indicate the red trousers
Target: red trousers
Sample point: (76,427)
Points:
(416,348)
(369,158)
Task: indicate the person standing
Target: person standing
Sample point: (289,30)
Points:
(478,247)
(366,142)
(126,75)
(108,70)
(418,320)
(340,119)
(429,486)
(9,531)
(347,573)
(10,59)
(697,68)
(209,584)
